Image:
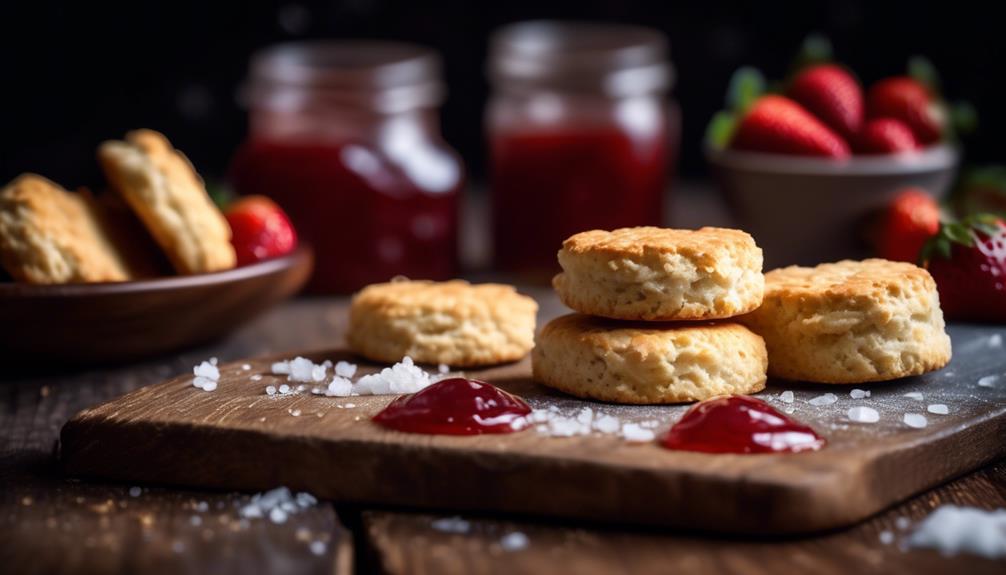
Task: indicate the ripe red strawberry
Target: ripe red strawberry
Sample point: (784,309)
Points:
(831,94)
(778,125)
(906,99)
(259,229)
(885,136)
(911,219)
(968,262)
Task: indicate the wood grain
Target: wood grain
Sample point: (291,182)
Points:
(174,433)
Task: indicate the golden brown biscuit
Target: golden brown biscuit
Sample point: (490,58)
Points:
(659,274)
(851,322)
(167,194)
(639,362)
(451,322)
(49,235)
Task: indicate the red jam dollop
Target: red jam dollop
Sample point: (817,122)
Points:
(740,424)
(455,406)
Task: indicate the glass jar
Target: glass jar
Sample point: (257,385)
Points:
(345,136)
(581,136)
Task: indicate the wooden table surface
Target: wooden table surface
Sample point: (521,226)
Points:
(49,523)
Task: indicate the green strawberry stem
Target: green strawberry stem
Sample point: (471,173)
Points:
(958,232)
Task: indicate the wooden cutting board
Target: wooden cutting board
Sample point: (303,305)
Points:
(237,437)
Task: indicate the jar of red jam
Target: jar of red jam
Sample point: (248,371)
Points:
(345,136)
(581,135)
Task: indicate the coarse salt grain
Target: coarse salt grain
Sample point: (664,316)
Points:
(246,366)
(135,491)
(206,375)
(318,547)
(256,377)
(916,420)
(276,504)
(914,395)
(443,368)
(339,387)
(284,389)
(345,369)
(451,525)
(863,414)
(988,381)
(859,394)
(635,432)
(514,541)
(786,396)
(952,530)
(995,340)
(938,409)
(902,523)
(886,537)
(270,390)
(822,400)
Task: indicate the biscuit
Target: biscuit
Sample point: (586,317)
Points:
(640,362)
(451,322)
(851,322)
(658,274)
(49,235)
(161,186)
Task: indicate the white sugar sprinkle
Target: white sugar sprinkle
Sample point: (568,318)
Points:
(270,390)
(443,368)
(276,504)
(938,409)
(196,520)
(952,530)
(318,547)
(206,375)
(345,369)
(635,432)
(886,537)
(902,523)
(284,388)
(995,340)
(135,491)
(916,420)
(209,386)
(914,395)
(607,424)
(256,377)
(988,381)
(451,525)
(514,541)
(863,414)
(786,396)
(821,400)
(277,515)
(859,394)
(295,412)
(246,366)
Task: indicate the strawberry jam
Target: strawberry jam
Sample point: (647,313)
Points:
(455,406)
(740,424)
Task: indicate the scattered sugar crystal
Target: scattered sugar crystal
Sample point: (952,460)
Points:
(295,412)
(281,368)
(318,547)
(349,405)
(916,420)
(277,515)
(207,370)
(995,340)
(196,520)
(938,408)
(585,416)
(209,386)
(443,368)
(303,369)
(276,504)
(949,374)
(914,395)
(607,424)
(213,361)
(246,366)
(451,525)
(821,400)
(284,389)
(786,396)
(952,530)
(514,541)
(635,432)
(135,491)
(345,369)
(863,414)
(859,394)
(886,537)
(988,381)
(902,523)
(256,377)
(403,377)
(270,390)
(339,387)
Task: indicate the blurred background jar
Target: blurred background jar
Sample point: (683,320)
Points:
(581,135)
(345,136)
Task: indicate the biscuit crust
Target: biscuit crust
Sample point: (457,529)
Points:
(49,235)
(453,322)
(851,322)
(648,363)
(161,186)
(658,274)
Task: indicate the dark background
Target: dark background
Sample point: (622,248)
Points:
(76,73)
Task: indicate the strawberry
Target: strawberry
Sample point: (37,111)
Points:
(908,100)
(911,219)
(778,125)
(259,229)
(831,94)
(885,136)
(968,261)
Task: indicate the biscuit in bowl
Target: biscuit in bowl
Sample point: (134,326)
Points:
(648,363)
(453,322)
(161,186)
(851,322)
(49,235)
(658,274)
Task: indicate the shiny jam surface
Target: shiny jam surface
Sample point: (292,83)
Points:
(368,217)
(549,185)
(740,424)
(455,406)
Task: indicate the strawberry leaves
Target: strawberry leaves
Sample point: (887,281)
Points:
(961,232)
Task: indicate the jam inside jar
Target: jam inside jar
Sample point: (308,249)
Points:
(581,136)
(345,137)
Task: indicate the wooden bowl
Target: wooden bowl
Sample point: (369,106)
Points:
(115,322)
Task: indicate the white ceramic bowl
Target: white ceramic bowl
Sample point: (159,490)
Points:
(811,210)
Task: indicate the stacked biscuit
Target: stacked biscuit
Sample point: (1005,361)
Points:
(671,316)
(656,316)
(160,211)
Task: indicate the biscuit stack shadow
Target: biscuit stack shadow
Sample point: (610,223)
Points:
(654,317)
